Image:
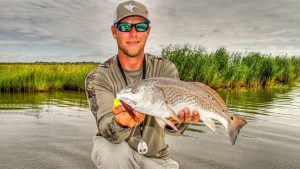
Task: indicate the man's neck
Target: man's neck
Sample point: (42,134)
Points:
(131,63)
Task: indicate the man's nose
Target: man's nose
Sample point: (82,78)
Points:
(133,32)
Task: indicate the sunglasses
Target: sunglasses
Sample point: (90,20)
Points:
(126,27)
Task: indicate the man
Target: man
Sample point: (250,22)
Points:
(120,135)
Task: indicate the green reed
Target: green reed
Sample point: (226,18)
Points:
(21,77)
(222,69)
(219,69)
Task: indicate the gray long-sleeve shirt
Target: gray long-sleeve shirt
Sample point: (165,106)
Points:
(105,81)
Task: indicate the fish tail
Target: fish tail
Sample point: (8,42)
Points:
(235,124)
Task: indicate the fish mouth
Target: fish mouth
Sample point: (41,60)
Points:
(128,105)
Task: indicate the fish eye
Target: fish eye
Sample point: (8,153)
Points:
(134,91)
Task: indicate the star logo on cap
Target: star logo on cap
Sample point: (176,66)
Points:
(130,7)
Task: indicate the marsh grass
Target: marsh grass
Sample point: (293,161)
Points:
(219,69)
(21,77)
(222,69)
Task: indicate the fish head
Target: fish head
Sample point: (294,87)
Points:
(139,97)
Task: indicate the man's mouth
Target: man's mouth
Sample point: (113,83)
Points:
(133,42)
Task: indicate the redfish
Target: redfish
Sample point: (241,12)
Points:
(166,97)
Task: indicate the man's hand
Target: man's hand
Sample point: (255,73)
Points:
(124,118)
(185,116)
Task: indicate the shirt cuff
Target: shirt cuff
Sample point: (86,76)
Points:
(114,132)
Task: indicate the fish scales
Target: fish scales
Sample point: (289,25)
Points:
(176,91)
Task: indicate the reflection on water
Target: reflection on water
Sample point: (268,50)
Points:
(272,106)
(253,101)
(277,106)
(258,106)
(273,117)
(253,105)
(34,100)
(269,140)
(32,104)
(45,130)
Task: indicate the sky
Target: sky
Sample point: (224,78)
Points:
(77,30)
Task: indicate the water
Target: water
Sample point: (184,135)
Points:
(55,130)
(45,130)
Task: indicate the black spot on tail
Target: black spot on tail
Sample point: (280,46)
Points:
(235,125)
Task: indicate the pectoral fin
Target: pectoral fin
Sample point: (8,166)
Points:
(162,123)
(174,114)
(210,123)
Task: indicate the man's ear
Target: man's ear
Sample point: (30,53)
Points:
(113,31)
(149,30)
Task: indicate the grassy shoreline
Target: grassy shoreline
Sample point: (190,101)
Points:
(43,77)
(219,69)
(222,69)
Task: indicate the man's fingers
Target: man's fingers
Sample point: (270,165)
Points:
(187,117)
(118,109)
(140,116)
(132,123)
(172,120)
(181,115)
(186,110)
(123,118)
(196,116)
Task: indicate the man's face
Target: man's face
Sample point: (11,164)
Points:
(131,43)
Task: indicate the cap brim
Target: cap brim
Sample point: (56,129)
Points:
(116,21)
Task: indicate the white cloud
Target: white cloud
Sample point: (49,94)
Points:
(238,25)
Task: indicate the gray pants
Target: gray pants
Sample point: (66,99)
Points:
(107,155)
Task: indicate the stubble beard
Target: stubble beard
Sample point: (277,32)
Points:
(131,53)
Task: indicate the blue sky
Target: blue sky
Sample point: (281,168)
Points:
(76,30)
